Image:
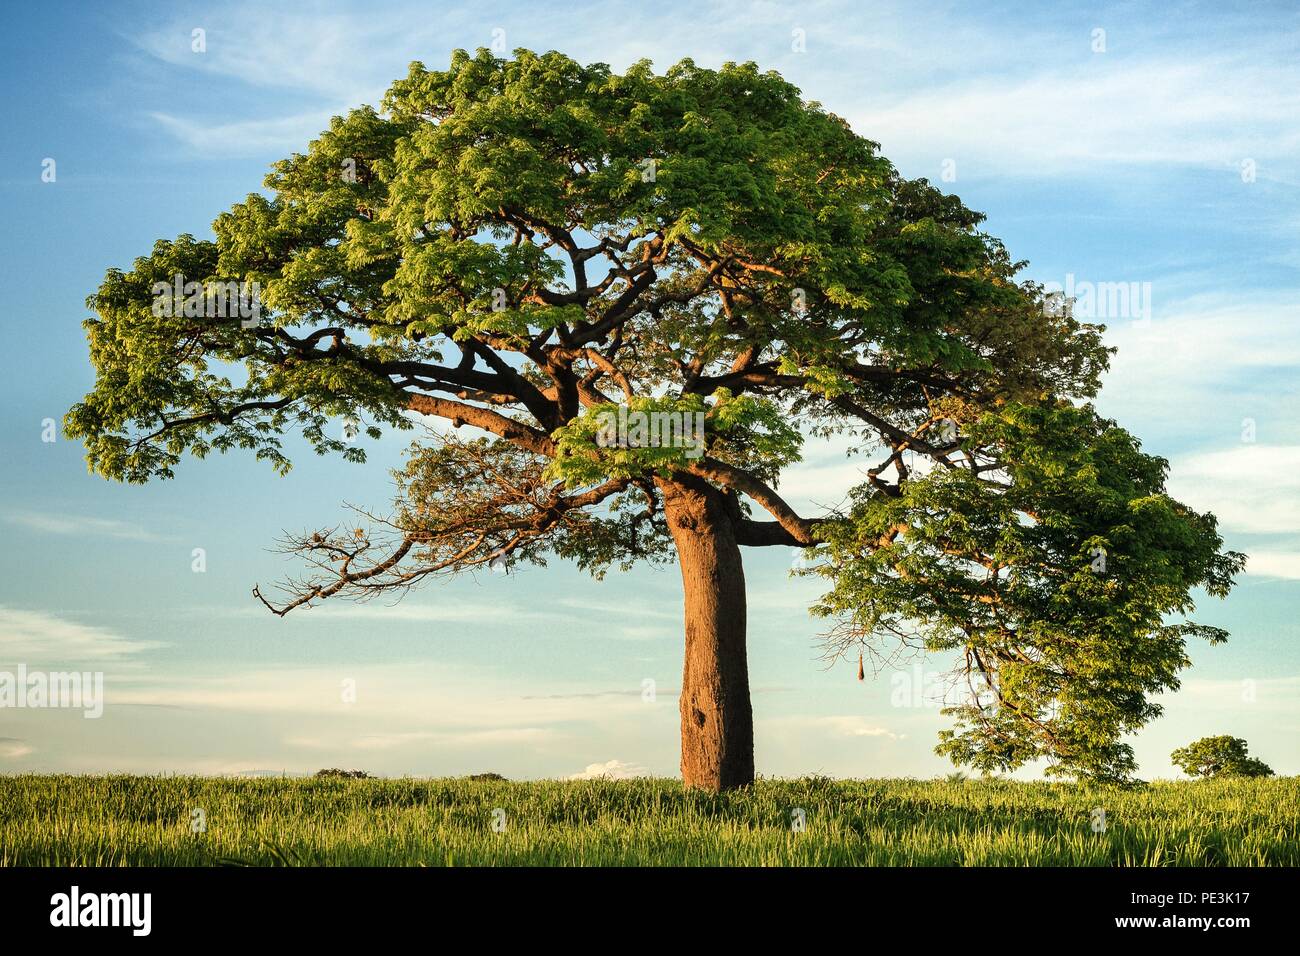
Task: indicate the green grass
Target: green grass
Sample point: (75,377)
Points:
(145,821)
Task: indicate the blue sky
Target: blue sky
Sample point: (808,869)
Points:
(1164,150)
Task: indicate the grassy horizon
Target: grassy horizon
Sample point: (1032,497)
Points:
(120,820)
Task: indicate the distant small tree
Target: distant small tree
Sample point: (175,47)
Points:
(1222,756)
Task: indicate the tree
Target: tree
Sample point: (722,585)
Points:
(533,247)
(1222,756)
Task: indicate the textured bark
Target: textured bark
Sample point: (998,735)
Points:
(717,718)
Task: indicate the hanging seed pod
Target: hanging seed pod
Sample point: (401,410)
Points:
(862,674)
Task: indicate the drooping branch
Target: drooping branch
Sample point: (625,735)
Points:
(372,577)
(463,504)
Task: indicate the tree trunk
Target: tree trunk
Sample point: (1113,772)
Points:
(717,718)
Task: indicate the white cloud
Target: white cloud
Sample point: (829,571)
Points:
(339,58)
(822,482)
(399,697)
(1242,697)
(313,51)
(1028,101)
(407,715)
(224,140)
(1251,488)
(508,736)
(1204,340)
(611,770)
(13,747)
(1205,364)
(794,596)
(846,725)
(416,612)
(36,637)
(80,525)
(1274,564)
(636,609)
(469,739)
(1106,110)
(566,614)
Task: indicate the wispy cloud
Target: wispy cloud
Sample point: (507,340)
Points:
(1276,695)
(1204,368)
(397,716)
(286,49)
(38,637)
(1253,488)
(12,747)
(81,525)
(1212,113)
(1205,340)
(1034,103)
(636,609)
(587,695)
(845,725)
(464,740)
(416,612)
(407,695)
(223,140)
(1283,565)
(622,624)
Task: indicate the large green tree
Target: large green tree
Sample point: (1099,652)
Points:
(520,245)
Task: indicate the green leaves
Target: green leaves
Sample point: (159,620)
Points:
(170,383)
(1051,566)
(1223,756)
(659,435)
(535,247)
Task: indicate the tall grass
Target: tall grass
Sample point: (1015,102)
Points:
(146,821)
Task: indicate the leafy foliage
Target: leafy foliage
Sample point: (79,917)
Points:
(1222,756)
(745,431)
(1050,563)
(521,246)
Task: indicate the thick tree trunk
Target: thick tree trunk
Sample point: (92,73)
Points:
(717,719)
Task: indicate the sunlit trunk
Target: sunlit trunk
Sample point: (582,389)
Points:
(717,718)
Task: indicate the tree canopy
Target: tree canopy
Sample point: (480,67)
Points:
(521,245)
(1222,756)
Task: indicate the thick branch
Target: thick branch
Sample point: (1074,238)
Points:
(503,426)
(799,529)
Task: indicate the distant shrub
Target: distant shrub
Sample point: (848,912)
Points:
(1222,756)
(485,776)
(345,774)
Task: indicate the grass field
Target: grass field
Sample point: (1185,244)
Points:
(146,821)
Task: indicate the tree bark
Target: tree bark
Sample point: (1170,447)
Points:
(717,718)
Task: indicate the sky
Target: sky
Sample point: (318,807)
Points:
(1153,149)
